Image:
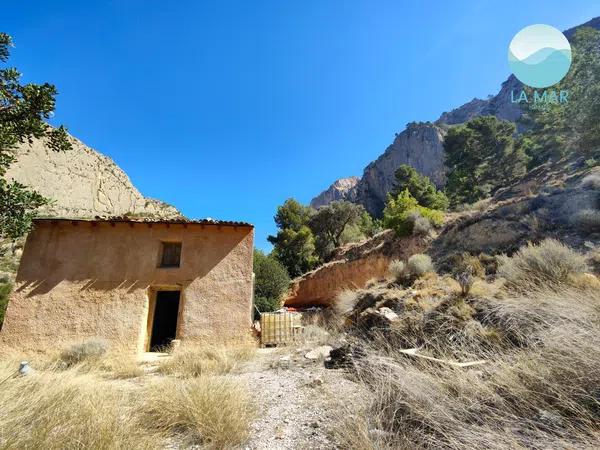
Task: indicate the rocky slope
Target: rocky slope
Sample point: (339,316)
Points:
(82,183)
(420,144)
(342,189)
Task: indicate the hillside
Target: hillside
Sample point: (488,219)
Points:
(82,183)
(420,145)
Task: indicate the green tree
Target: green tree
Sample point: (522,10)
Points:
(295,250)
(400,211)
(23,111)
(329,222)
(293,215)
(481,157)
(294,243)
(420,187)
(568,129)
(270,283)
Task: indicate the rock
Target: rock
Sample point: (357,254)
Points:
(389,314)
(82,182)
(344,357)
(315,383)
(342,189)
(321,352)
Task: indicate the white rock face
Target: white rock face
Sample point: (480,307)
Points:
(82,182)
(342,189)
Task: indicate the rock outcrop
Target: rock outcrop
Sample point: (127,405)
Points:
(82,183)
(420,145)
(352,267)
(342,189)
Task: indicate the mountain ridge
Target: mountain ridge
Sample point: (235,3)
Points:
(378,176)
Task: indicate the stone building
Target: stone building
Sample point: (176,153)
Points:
(138,284)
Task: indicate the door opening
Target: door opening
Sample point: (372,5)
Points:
(164,322)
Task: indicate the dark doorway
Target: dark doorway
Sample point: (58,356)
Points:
(164,322)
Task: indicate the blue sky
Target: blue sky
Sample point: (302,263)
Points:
(226,108)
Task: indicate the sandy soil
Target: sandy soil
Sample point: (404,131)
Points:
(297,399)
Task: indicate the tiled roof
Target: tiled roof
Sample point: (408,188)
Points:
(129,219)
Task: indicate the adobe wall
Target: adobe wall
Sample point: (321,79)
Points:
(78,281)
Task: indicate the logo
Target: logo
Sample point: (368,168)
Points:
(539,56)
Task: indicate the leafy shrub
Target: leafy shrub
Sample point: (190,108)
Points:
(534,266)
(420,187)
(400,214)
(90,350)
(588,220)
(270,283)
(418,265)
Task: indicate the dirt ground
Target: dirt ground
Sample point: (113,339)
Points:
(297,399)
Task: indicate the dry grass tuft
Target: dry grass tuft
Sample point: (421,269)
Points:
(67,409)
(418,265)
(193,359)
(550,263)
(345,301)
(211,411)
(90,350)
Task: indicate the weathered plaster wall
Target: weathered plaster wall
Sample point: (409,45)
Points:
(79,281)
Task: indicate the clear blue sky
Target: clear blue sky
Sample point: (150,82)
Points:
(226,108)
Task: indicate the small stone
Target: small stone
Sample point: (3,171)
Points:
(321,352)
(314,383)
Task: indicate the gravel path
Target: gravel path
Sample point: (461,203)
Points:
(296,398)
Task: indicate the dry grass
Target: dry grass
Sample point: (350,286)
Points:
(96,356)
(538,390)
(211,411)
(88,405)
(193,359)
(541,391)
(345,301)
(549,263)
(67,409)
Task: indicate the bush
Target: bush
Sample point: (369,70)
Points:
(270,283)
(213,412)
(401,213)
(396,269)
(345,301)
(418,265)
(5,290)
(588,220)
(87,351)
(535,266)
(420,225)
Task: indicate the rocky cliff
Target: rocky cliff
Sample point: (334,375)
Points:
(420,145)
(82,183)
(342,189)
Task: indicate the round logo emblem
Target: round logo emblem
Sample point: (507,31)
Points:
(539,56)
